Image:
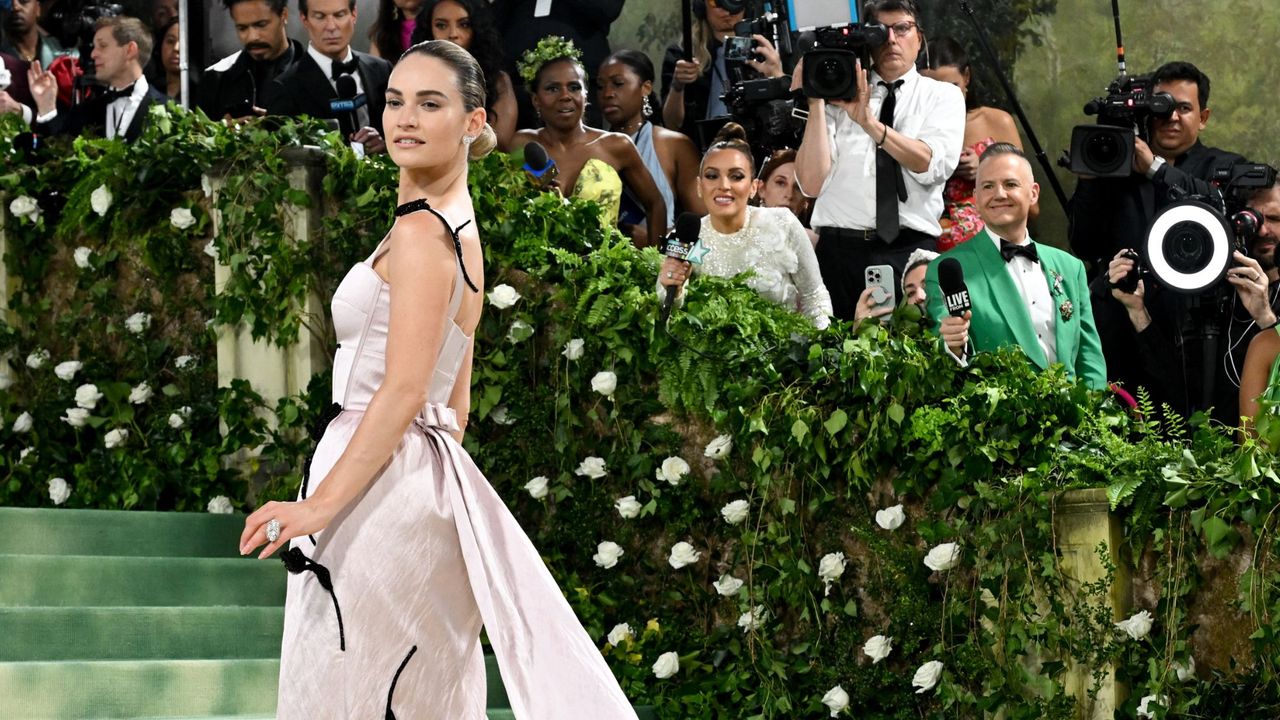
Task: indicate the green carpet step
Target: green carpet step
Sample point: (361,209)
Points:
(138,688)
(69,581)
(139,633)
(40,531)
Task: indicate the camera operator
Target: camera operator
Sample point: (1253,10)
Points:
(235,86)
(878,163)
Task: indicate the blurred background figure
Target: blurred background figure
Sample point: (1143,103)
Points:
(392,32)
(164,72)
(777,187)
(23,38)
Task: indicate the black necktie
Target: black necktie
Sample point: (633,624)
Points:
(109,96)
(1027,250)
(344,68)
(890,187)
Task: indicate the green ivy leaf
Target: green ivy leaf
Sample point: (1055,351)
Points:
(836,422)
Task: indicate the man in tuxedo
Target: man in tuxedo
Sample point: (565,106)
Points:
(1023,293)
(121,46)
(236,85)
(310,86)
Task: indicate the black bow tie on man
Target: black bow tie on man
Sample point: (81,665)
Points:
(1027,250)
(109,96)
(344,68)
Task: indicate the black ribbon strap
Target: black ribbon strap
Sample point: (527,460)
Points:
(391,715)
(414,206)
(328,415)
(295,562)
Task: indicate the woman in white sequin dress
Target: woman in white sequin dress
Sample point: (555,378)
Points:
(770,242)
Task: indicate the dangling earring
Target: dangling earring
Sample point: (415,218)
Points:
(396,14)
(647,110)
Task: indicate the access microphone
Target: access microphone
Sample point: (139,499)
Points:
(539,166)
(954,292)
(346,104)
(679,245)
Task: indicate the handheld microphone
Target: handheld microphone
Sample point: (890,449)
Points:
(679,245)
(347,103)
(539,166)
(954,292)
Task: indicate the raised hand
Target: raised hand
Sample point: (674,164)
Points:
(44,88)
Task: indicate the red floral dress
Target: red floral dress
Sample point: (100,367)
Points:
(960,220)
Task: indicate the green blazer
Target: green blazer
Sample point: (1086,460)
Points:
(1000,315)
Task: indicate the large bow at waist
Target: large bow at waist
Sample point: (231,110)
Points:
(436,415)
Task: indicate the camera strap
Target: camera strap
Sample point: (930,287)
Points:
(890,187)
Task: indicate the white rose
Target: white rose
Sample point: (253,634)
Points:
(59,491)
(140,394)
(537,487)
(205,186)
(519,331)
(137,322)
(836,700)
(607,554)
(220,505)
(1185,670)
(25,452)
(501,416)
(592,467)
(727,585)
(6,376)
(211,250)
(100,201)
(26,207)
(735,512)
(673,470)
(67,370)
(182,362)
(115,438)
(1144,707)
(682,554)
(668,664)
(503,297)
(37,359)
(181,218)
(830,568)
(927,676)
(628,507)
(75,417)
(719,447)
(878,648)
(943,557)
(605,383)
(176,421)
(891,518)
(620,632)
(1137,625)
(23,423)
(573,349)
(87,396)
(752,619)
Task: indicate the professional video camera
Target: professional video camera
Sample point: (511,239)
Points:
(833,40)
(1106,149)
(763,108)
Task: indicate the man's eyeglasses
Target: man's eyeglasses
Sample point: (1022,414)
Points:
(903,28)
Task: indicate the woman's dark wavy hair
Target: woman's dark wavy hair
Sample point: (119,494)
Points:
(486,46)
(385,33)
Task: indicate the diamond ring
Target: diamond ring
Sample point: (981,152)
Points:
(670,275)
(273,530)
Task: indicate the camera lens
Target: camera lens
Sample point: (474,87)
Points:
(1104,152)
(830,76)
(1188,247)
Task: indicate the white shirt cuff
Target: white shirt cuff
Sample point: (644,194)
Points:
(47,116)
(27,115)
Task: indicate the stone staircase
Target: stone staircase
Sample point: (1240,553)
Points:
(107,615)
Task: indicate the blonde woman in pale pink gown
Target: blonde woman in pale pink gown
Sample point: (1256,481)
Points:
(398,548)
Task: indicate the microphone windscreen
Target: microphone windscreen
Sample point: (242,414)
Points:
(951,282)
(688,228)
(535,157)
(346,86)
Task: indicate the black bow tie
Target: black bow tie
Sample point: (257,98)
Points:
(109,96)
(344,68)
(1027,250)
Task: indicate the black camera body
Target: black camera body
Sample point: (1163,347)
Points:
(1106,149)
(77,21)
(830,70)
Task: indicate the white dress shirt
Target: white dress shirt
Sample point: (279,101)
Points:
(326,66)
(927,110)
(1033,286)
(120,111)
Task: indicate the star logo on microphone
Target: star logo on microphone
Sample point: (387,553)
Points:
(698,253)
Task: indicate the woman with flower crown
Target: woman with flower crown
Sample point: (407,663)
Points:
(593,164)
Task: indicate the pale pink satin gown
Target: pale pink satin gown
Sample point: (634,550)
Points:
(424,557)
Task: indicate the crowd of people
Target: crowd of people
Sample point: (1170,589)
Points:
(838,217)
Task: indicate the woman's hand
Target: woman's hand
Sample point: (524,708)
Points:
(968,167)
(296,519)
(867,307)
(674,272)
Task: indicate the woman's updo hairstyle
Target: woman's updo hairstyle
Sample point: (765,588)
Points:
(642,66)
(731,137)
(470,81)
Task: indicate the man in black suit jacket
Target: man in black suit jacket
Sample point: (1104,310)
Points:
(120,45)
(310,86)
(236,85)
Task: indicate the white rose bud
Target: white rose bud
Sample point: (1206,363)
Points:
(1144,706)
(220,505)
(719,447)
(140,394)
(181,218)
(943,557)
(878,648)
(22,456)
(752,619)
(75,417)
(668,664)
(673,470)
(82,256)
(1185,670)
(927,676)
(592,467)
(211,250)
(727,585)
(501,416)
(605,383)
(620,632)
(182,362)
(519,331)
(25,207)
(1137,625)
(735,512)
(87,396)
(891,518)
(205,186)
(537,487)
(6,376)
(37,359)
(682,554)
(573,349)
(628,507)
(137,323)
(100,200)
(503,297)
(607,554)
(23,423)
(67,370)
(176,421)
(836,700)
(830,568)
(115,438)
(59,490)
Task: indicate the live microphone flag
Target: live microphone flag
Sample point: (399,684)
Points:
(955,293)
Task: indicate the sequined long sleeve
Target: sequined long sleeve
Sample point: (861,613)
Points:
(812,295)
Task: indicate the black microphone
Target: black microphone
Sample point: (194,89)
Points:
(347,103)
(678,245)
(954,292)
(539,166)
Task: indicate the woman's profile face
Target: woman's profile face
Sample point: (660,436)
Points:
(620,91)
(779,189)
(725,183)
(171,51)
(425,118)
(560,95)
(450,21)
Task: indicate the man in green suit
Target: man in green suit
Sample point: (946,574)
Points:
(1023,293)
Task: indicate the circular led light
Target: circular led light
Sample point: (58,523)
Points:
(1188,247)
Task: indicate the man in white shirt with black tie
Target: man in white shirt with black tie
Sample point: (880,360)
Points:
(877,164)
(121,46)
